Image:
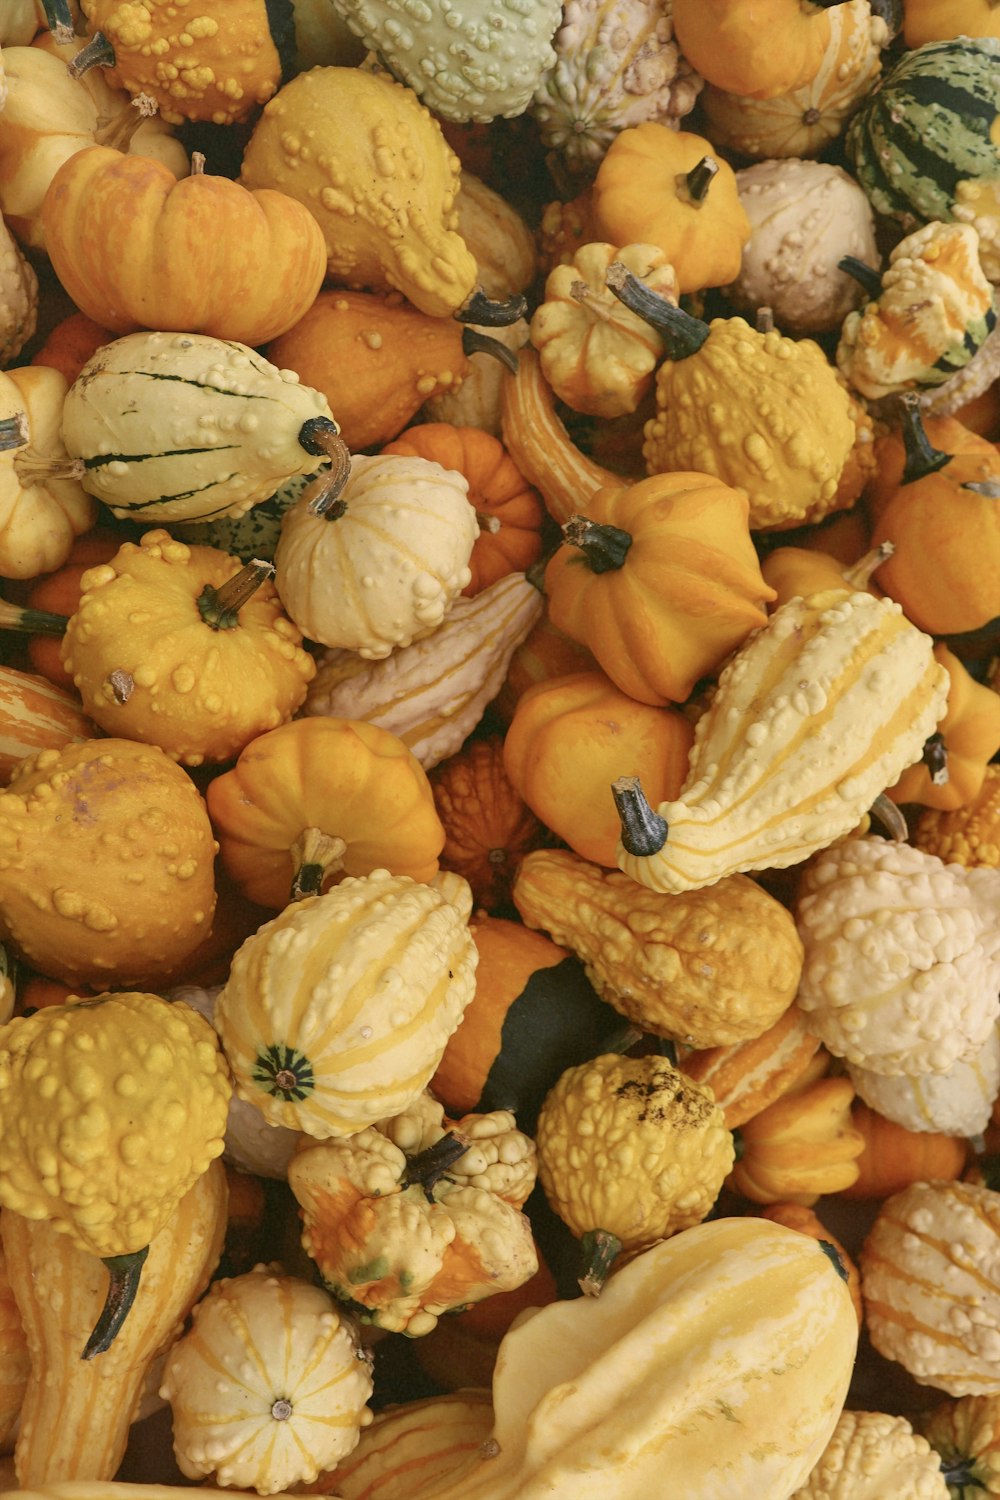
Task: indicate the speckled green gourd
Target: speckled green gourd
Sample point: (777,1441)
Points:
(470,62)
(185,427)
(110,1109)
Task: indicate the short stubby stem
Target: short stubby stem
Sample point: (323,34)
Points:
(221,607)
(604,547)
(598,1251)
(921,458)
(643,831)
(427,1168)
(315,856)
(98,53)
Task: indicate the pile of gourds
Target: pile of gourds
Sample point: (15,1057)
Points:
(499,801)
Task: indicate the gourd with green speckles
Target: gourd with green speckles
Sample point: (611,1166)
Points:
(110,1110)
(418,1215)
(336,1013)
(924,146)
(812,719)
(185,427)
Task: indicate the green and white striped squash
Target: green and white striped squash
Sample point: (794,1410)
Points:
(254,534)
(337,1012)
(927,141)
(184,427)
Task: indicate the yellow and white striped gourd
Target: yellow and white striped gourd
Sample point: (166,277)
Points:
(336,1013)
(813,718)
(432,693)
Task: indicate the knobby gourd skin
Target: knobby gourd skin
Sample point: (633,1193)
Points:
(957,1102)
(872,1454)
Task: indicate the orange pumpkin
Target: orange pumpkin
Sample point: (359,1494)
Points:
(660,580)
(70,344)
(893,1156)
(205,255)
(568,741)
(968,736)
(58,593)
(545,653)
(510,512)
(487,825)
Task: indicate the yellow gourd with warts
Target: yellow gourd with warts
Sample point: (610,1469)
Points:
(110,1110)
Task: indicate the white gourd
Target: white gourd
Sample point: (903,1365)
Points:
(958,1101)
(873,1455)
(18,290)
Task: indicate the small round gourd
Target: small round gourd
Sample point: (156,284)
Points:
(268,1387)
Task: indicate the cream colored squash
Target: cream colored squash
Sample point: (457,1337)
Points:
(383,564)
(958,1101)
(18,293)
(812,719)
(504,247)
(478,400)
(805,216)
(43,507)
(432,693)
(873,1455)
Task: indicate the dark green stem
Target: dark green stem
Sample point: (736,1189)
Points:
(60,21)
(921,458)
(315,855)
(98,53)
(489,313)
(697,182)
(604,547)
(124,1272)
(935,758)
(13,431)
(427,1168)
(598,1250)
(644,832)
(864,274)
(31,621)
(959,1477)
(474,341)
(836,1260)
(682,335)
(221,607)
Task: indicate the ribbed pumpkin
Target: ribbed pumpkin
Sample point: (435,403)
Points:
(894,1157)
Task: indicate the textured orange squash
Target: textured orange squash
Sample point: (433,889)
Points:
(970,734)
(893,1156)
(59,593)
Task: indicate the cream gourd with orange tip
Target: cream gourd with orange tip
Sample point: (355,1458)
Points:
(812,719)
(902,956)
(76,1414)
(729,1350)
(336,1013)
(269,1385)
(873,1454)
(929,1280)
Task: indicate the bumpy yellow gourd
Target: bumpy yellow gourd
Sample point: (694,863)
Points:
(709,967)
(813,718)
(372,165)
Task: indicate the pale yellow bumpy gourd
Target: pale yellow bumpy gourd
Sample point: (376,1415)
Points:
(372,165)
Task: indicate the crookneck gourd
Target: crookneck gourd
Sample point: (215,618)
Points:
(812,719)
(110,1110)
(336,1012)
(184,427)
(417,1216)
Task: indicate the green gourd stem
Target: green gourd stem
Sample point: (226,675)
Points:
(865,275)
(321,436)
(13,431)
(682,334)
(959,1477)
(98,53)
(427,1167)
(31,621)
(836,1260)
(623,1040)
(921,458)
(315,855)
(117,132)
(124,1272)
(490,313)
(644,832)
(474,341)
(935,758)
(694,185)
(60,21)
(885,811)
(605,548)
(221,607)
(598,1251)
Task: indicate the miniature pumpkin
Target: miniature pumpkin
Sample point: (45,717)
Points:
(896,1004)
(348,781)
(966,739)
(487,825)
(894,1156)
(533,1014)
(260,256)
(268,1387)
(508,510)
(432,693)
(180,647)
(778,769)
(970,835)
(403,1233)
(70,344)
(671,551)
(657,186)
(106,875)
(379,566)
(736,49)
(799,1147)
(336,1012)
(76,1414)
(544,653)
(567,741)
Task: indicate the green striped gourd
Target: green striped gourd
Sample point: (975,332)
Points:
(252,535)
(336,1013)
(813,718)
(926,143)
(184,427)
